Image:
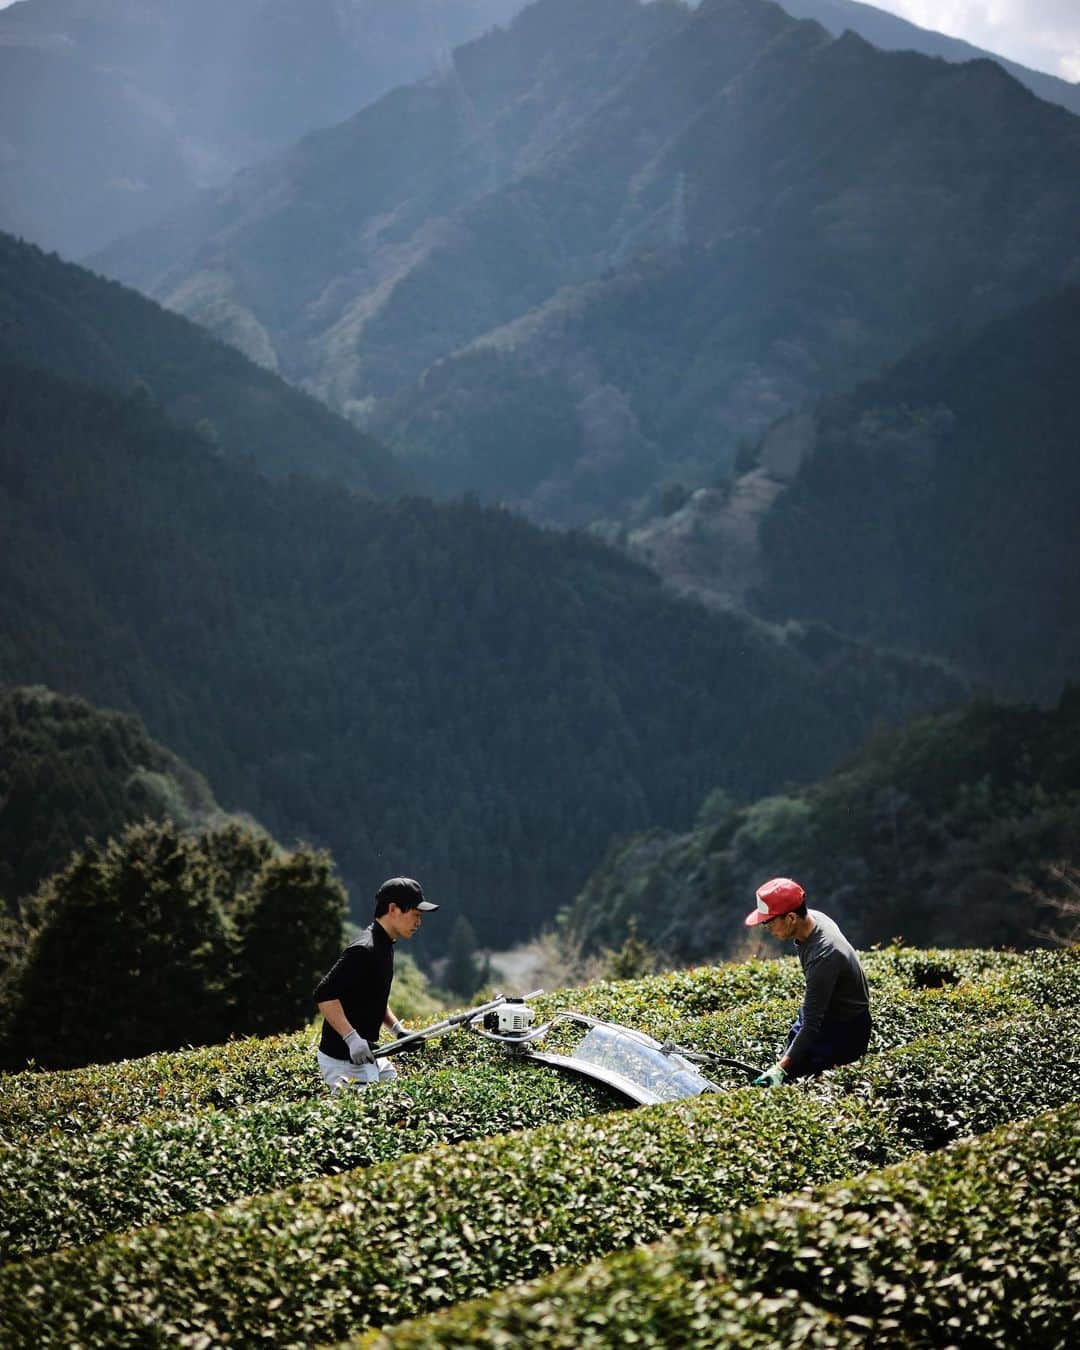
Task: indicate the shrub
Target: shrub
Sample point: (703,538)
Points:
(316,1261)
(159,939)
(66,1189)
(283,1069)
(158,1087)
(971,1246)
(63,1191)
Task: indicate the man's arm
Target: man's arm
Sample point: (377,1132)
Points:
(335,1015)
(359,1050)
(391,1023)
(820,983)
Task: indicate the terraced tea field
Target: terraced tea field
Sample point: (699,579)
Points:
(927,1195)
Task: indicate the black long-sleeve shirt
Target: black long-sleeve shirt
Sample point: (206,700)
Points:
(361,978)
(836,986)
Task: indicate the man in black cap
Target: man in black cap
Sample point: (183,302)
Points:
(354,996)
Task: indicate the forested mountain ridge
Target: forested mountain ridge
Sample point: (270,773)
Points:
(954,482)
(115,111)
(929,834)
(441,690)
(933,508)
(70,772)
(892,33)
(68,320)
(337,210)
(568,298)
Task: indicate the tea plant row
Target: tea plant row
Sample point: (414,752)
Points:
(372,1247)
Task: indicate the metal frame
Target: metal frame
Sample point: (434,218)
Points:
(525,1045)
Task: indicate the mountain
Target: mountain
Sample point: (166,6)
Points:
(950,481)
(444,691)
(117,110)
(891,33)
(67,320)
(927,834)
(70,772)
(954,482)
(615,240)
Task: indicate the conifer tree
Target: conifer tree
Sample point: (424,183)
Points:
(291,933)
(465,971)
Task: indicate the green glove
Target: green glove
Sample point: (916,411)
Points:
(771,1077)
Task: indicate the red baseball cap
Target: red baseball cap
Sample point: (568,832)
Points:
(776,897)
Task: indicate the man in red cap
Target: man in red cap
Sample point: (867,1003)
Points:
(833,1025)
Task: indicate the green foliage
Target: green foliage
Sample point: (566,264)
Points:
(944,832)
(289,927)
(415,999)
(76,324)
(59,1188)
(158,1087)
(952,480)
(450,687)
(970,1245)
(737,1010)
(134,953)
(159,939)
(65,1191)
(568,1192)
(464,972)
(950,1085)
(69,772)
(634,958)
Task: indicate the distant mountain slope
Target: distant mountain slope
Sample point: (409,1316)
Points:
(616,239)
(927,834)
(440,690)
(68,320)
(951,480)
(337,210)
(112,112)
(83,158)
(937,506)
(71,772)
(892,33)
(828,208)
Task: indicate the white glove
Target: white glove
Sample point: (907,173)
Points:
(398,1029)
(359,1050)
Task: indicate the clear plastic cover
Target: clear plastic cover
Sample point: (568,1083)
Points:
(667,1076)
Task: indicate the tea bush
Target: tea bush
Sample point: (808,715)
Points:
(976,1245)
(157,1087)
(62,1189)
(317,1261)
(282,1068)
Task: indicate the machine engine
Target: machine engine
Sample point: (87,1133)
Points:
(512,1018)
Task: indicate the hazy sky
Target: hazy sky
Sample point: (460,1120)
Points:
(1044,34)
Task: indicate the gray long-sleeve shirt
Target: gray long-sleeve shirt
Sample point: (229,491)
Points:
(835,984)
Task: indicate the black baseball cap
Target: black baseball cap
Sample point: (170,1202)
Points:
(403,892)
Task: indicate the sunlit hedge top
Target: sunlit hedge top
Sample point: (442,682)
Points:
(282,1068)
